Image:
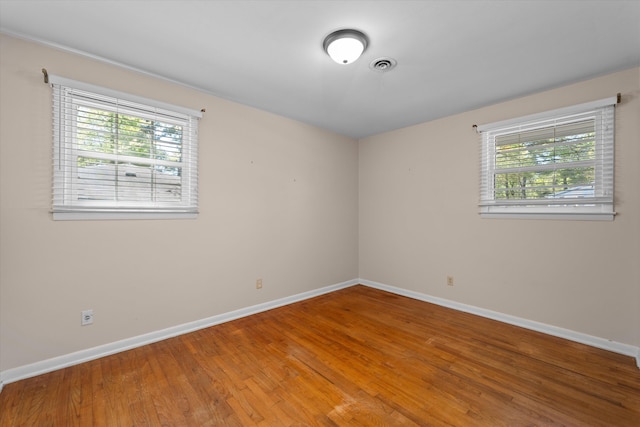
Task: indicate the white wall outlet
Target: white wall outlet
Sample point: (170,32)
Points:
(259,284)
(449,280)
(87,317)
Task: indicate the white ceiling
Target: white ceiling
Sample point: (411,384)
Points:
(453,56)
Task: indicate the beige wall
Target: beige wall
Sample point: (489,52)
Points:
(289,203)
(278,200)
(419,223)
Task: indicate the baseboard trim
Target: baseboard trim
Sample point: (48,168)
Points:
(602,343)
(49,365)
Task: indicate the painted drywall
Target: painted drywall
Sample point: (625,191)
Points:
(301,208)
(419,223)
(278,201)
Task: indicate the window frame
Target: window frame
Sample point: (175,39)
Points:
(598,207)
(68,93)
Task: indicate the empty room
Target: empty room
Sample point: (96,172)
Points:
(319,213)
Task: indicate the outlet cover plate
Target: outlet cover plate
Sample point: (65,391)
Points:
(87,317)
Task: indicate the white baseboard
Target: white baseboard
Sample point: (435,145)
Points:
(42,367)
(38,368)
(602,343)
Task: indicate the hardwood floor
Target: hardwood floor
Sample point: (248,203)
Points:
(355,357)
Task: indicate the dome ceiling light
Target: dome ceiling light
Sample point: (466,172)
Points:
(345,46)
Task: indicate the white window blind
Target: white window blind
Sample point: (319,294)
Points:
(554,164)
(117,155)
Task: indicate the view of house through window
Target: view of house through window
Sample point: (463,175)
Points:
(122,157)
(118,155)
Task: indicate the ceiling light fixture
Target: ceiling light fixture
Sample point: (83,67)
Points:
(345,46)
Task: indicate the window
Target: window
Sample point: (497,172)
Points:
(557,164)
(120,156)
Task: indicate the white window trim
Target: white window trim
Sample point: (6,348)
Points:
(105,216)
(602,209)
(62,210)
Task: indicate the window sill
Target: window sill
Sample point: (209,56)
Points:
(555,216)
(106,216)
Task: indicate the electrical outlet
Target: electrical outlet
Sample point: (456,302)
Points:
(449,280)
(259,284)
(87,317)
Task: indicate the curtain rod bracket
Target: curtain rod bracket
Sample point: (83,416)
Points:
(46,76)
(203,110)
(618,98)
(475,127)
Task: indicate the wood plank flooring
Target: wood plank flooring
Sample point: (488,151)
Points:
(355,357)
